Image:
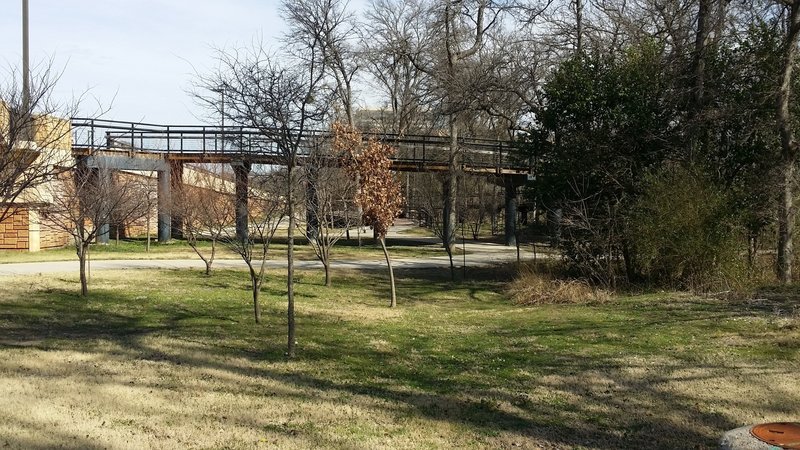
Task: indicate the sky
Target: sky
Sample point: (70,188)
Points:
(136,58)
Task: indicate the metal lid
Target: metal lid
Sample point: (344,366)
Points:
(780,434)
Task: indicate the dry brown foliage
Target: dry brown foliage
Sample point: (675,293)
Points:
(379,192)
(532,286)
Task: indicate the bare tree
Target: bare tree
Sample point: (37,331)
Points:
(206,207)
(789,145)
(330,29)
(429,195)
(266,209)
(333,192)
(481,200)
(35,136)
(324,32)
(393,36)
(461,37)
(84,201)
(379,193)
(282,103)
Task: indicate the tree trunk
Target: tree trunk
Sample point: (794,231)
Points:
(449,188)
(789,148)
(578,26)
(393,301)
(452,266)
(700,50)
(290,351)
(211,258)
(255,284)
(359,212)
(327,266)
(147,248)
(786,218)
(82,262)
(347,223)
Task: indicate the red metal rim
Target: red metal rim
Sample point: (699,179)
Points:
(780,434)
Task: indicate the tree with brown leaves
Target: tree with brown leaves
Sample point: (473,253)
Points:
(379,193)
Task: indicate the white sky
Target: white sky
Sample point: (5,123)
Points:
(142,54)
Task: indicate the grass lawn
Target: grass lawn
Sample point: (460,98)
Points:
(172,359)
(179,249)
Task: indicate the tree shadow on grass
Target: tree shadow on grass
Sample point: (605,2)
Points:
(574,397)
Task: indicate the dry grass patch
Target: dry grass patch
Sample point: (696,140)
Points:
(533,286)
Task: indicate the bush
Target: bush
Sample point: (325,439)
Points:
(685,233)
(534,286)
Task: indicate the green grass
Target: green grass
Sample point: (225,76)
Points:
(417,231)
(455,365)
(180,249)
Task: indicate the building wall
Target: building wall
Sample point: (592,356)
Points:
(24,230)
(14,231)
(51,236)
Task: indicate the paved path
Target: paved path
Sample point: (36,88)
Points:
(477,254)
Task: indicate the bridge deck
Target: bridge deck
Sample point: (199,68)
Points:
(415,153)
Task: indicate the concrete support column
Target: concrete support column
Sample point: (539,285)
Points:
(511,213)
(176,185)
(164,206)
(103,179)
(312,204)
(241,171)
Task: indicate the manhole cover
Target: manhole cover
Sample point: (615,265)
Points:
(780,434)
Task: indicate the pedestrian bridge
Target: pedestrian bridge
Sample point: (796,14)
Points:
(116,145)
(198,144)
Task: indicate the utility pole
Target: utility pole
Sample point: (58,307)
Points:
(26,76)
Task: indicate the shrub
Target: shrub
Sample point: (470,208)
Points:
(685,232)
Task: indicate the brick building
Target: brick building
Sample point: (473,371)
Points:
(25,229)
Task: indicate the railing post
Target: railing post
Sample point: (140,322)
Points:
(91,134)
(133,143)
(204,140)
(168,136)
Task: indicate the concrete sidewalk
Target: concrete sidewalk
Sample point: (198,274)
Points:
(478,254)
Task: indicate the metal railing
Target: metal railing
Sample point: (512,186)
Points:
(422,151)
